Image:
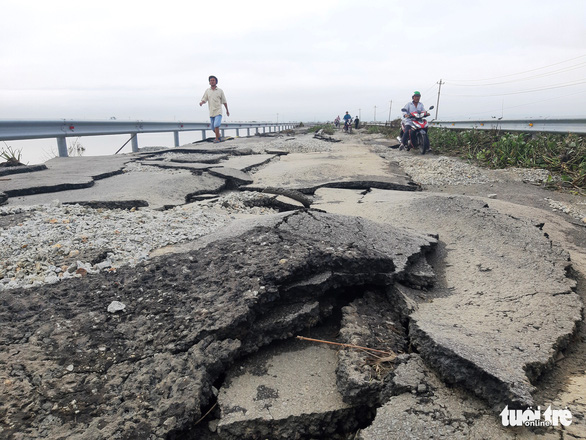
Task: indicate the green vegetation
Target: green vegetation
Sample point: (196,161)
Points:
(391,130)
(10,156)
(327,128)
(563,155)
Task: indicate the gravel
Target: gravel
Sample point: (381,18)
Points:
(52,242)
(442,170)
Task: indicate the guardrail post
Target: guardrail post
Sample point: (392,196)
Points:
(256,130)
(248,132)
(134,142)
(176,138)
(203,135)
(222,132)
(62,146)
(237,132)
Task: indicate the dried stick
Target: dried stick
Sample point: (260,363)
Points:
(303,338)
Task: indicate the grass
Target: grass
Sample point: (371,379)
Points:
(562,155)
(327,128)
(10,156)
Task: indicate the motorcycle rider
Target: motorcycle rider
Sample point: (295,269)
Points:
(410,107)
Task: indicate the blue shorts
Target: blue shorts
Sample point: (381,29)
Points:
(216,121)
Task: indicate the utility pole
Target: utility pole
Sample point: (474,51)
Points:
(438,97)
(375,113)
(390,107)
(360,114)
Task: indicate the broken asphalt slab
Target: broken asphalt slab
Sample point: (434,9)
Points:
(288,392)
(78,371)
(134,189)
(64,173)
(349,166)
(104,181)
(421,406)
(504,304)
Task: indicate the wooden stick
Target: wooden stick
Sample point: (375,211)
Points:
(390,353)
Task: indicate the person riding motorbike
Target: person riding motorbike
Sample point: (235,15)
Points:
(413,106)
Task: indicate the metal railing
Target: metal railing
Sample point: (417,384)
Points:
(577,126)
(62,129)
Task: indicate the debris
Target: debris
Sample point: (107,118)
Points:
(358,347)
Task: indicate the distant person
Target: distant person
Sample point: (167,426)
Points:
(347,117)
(356,123)
(215,98)
(337,121)
(410,107)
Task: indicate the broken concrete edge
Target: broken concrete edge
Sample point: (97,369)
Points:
(313,425)
(110,173)
(357,185)
(7,171)
(456,370)
(61,186)
(3,198)
(234,176)
(49,189)
(178,166)
(113,204)
(192,197)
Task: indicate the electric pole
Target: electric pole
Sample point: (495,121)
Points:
(360,114)
(375,113)
(390,107)
(438,97)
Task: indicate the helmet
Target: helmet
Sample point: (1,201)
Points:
(416,93)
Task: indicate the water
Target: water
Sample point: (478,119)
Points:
(37,151)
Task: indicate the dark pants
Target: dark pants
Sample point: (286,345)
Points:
(406,135)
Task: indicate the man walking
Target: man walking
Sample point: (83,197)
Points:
(215,98)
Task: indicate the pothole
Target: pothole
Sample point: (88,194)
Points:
(316,386)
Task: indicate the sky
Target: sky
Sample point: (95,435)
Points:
(291,61)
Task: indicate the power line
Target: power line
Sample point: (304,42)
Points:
(542,75)
(523,91)
(529,103)
(518,73)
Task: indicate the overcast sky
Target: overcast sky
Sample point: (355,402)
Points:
(303,60)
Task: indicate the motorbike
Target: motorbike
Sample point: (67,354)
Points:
(348,125)
(418,136)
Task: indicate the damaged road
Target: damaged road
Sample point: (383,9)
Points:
(77,370)
(468,304)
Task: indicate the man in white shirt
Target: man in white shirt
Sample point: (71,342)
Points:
(215,98)
(410,107)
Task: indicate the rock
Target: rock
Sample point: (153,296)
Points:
(492,196)
(116,306)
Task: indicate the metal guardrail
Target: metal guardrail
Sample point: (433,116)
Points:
(577,126)
(62,129)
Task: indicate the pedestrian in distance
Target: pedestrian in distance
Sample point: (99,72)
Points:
(215,98)
(356,122)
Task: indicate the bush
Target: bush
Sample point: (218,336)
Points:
(561,154)
(327,128)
